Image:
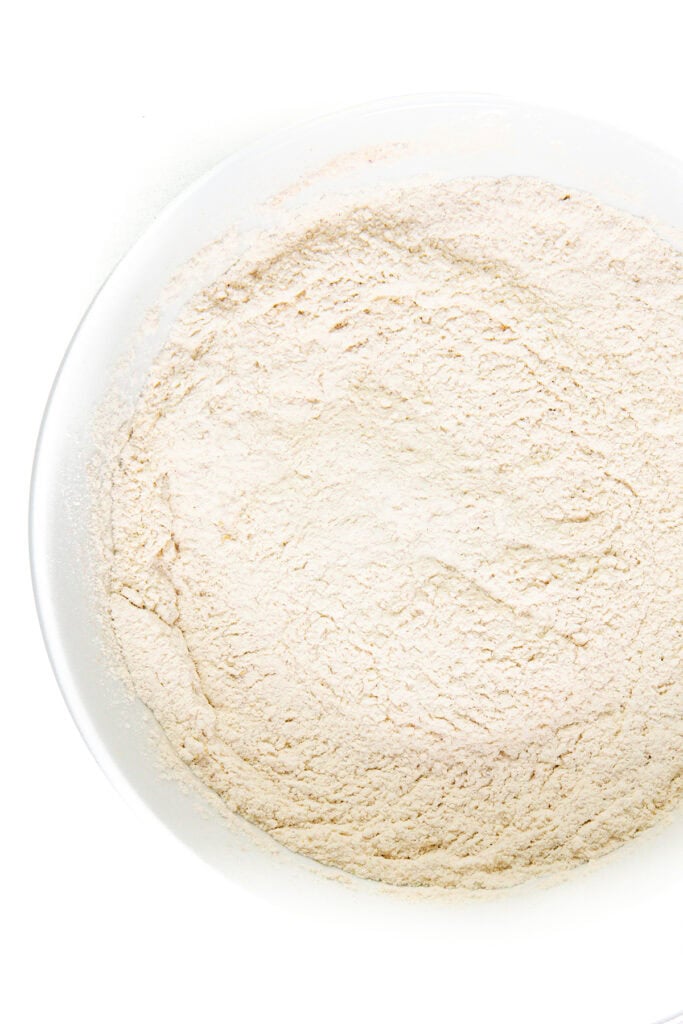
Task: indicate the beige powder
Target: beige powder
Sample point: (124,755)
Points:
(396,552)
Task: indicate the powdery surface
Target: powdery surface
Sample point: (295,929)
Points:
(396,554)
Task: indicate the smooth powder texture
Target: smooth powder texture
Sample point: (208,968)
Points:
(396,555)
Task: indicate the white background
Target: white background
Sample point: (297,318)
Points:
(107,112)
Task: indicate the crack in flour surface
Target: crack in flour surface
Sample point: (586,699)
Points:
(396,556)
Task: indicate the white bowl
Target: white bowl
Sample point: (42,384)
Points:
(607,941)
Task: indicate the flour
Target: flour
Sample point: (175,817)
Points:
(396,555)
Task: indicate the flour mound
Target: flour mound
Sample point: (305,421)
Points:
(396,554)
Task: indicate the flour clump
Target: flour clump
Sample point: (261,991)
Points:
(396,556)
